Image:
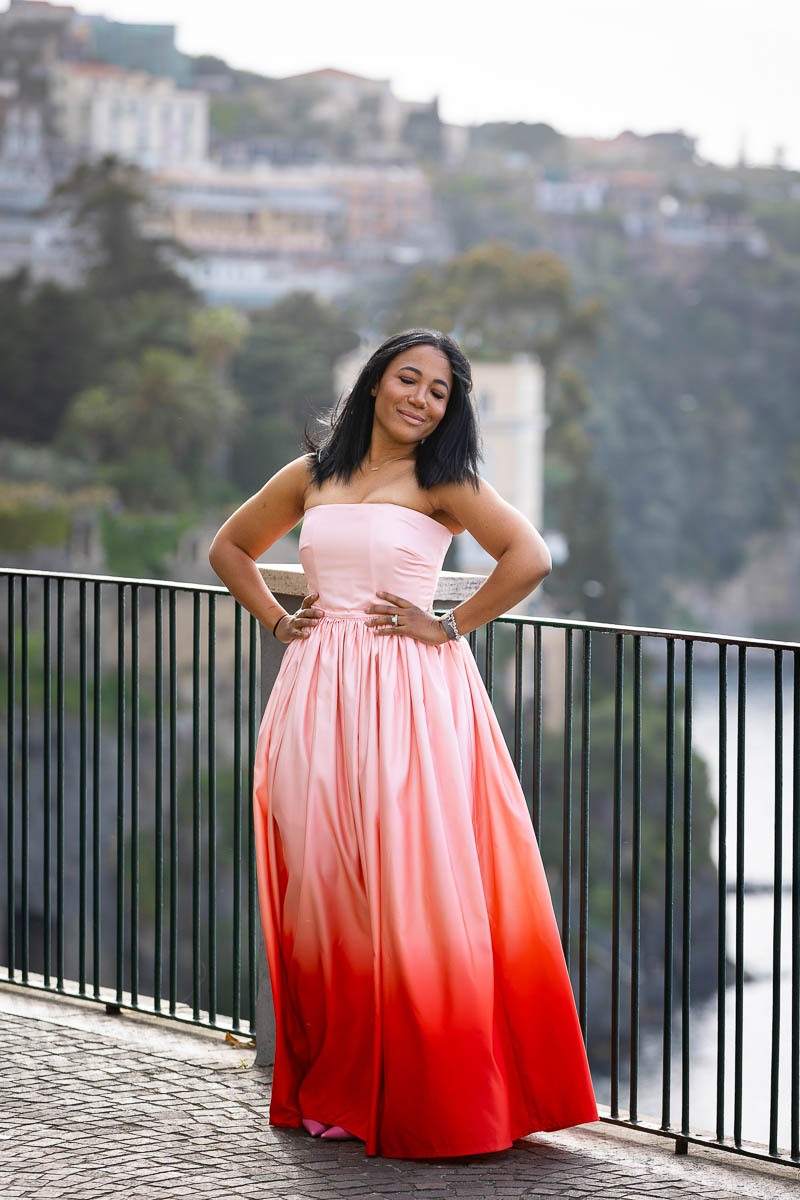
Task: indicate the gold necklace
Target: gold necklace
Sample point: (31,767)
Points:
(397,458)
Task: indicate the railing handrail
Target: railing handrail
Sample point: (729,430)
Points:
(685,635)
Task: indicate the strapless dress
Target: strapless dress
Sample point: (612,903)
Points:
(422,1000)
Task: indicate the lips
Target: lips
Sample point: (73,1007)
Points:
(412,420)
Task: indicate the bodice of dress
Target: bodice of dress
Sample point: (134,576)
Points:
(350,551)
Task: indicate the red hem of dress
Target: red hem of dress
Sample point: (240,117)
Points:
(524,1132)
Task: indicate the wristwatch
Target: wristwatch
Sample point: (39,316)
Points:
(449,622)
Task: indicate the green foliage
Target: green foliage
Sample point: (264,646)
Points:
(501,300)
(50,349)
(32,515)
(107,201)
(216,334)
(780,221)
(164,409)
(695,419)
(23,463)
(36,514)
(237,117)
(138,544)
(132,382)
(487,201)
(149,481)
(283,372)
(538,140)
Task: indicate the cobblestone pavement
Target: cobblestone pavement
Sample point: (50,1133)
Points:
(94,1105)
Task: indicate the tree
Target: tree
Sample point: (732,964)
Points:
(107,201)
(499,300)
(153,430)
(283,371)
(50,346)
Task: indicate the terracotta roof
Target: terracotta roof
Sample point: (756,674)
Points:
(645,179)
(66,8)
(333,72)
(94,68)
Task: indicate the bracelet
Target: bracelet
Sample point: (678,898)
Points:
(449,622)
(277,623)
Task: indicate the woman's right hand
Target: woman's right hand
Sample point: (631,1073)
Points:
(299,624)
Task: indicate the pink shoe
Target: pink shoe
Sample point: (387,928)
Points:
(315,1128)
(336,1131)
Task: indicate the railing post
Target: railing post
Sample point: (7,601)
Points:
(287,582)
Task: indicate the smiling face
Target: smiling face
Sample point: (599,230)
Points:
(412,396)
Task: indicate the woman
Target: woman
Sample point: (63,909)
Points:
(422,1001)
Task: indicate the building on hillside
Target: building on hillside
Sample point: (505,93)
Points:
(584,193)
(101,109)
(628,149)
(455,143)
(340,96)
(265,211)
(38,12)
(637,195)
(380,203)
(43,245)
(258,233)
(137,47)
(368,108)
(132,46)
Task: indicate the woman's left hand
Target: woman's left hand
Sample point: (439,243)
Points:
(411,621)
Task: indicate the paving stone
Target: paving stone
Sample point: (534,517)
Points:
(123,1106)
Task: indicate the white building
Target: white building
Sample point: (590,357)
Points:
(258,232)
(509,402)
(101,109)
(571,195)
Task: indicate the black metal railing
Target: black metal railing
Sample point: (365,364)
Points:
(122,753)
(84,778)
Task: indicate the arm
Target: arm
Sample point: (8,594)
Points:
(251,530)
(523,559)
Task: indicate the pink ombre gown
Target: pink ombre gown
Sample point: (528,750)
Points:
(421,995)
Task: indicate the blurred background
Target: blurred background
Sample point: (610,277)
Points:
(208,219)
(196,255)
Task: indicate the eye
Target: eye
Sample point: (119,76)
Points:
(438,395)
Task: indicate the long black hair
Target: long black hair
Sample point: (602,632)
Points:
(448,455)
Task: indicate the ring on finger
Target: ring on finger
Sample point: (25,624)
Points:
(395,620)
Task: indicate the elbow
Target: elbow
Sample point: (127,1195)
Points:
(546,564)
(543,565)
(214,555)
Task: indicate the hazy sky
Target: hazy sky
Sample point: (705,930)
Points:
(724,71)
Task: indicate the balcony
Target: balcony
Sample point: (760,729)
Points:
(662,772)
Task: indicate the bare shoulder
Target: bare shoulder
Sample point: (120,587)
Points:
(493,522)
(468,505)
(287,488)
(272,511)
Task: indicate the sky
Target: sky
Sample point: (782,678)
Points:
(724,71)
